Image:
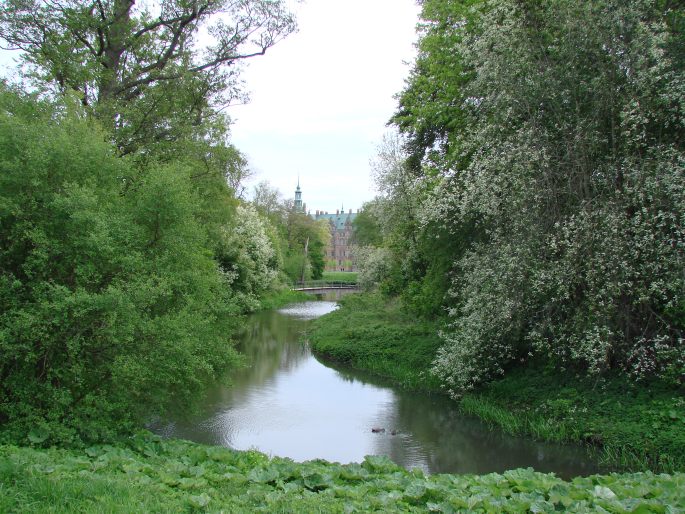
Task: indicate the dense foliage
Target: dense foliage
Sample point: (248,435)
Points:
(301,239)
(151,475)
(305,241)
(153,74)
(112,308)
(249,257)
(125,256)
(541,170)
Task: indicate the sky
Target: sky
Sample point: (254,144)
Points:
(320,99)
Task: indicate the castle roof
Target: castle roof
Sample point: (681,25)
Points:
(338,219)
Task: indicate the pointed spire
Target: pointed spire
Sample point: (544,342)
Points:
(298,196)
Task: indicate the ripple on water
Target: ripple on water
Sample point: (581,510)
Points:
(308,310)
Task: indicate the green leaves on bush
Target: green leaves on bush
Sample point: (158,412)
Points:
(537,190)
(112,308)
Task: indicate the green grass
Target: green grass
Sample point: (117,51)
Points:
(367,333)
(634,426)
(148,474)
(277,299)
(349,277)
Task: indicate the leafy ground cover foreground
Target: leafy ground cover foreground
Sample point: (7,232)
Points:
(149,474)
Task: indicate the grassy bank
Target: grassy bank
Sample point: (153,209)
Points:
(278,299)
(349,277)
(636,426)
(368,334)
(152,475)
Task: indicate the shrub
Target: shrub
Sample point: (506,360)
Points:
(112,309)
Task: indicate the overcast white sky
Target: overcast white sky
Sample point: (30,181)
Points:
(320,99)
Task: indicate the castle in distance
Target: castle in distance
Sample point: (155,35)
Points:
(338,252)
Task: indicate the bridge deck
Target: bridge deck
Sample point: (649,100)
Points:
(325,288)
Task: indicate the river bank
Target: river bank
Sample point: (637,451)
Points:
(635,427)
(149,474)
(279,298)
(286,402)
(367,334)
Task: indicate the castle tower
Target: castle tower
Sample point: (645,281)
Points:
(298,197)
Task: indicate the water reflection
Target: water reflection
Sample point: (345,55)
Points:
(433,434)
(308,310)
(287,403)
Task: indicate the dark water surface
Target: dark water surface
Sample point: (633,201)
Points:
(288,404)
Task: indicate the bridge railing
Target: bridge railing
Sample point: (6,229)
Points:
(323,284)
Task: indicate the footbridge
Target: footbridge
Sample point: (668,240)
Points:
(322,286)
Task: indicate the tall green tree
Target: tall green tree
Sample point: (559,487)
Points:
(112,309)
(366,230)
(151,74)
(422,249)
(430,112)
(306,241)
(267,200)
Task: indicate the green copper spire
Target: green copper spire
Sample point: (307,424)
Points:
(298,196)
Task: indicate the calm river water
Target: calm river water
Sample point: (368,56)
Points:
(288,404)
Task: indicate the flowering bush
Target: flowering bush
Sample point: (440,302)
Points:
(252,262)
(562,178)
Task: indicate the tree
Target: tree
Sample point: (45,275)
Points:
(430,111)
(267,200)
(149,74)
(366,230)
(112,310)
(248,256)
(231,164)
(306,240)
(539,169)
(423,251)
(570,168)
(374,266)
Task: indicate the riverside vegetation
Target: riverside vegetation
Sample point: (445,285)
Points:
(528,243)
(531,210)
(127,256)
(148,474)
(635,426)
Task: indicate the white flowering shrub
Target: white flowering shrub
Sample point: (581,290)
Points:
(565,181)
(484,331)
(373,265)
(250,262)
